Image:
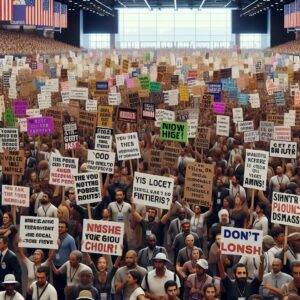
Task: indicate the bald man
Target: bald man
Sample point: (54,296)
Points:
(120,279)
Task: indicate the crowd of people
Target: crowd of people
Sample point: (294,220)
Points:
(166,254)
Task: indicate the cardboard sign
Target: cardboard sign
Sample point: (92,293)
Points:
(79,93)
(282,133)
(9,139)
(223,125)
(105,116)
(13,162)
(283,149)
(127,146)
(103,139)
(153,190)
(127,115)
(170,155)
(256,168)
(198,183)
(203,138)
(105,237)
(87,120)
(155,161)
(285,209)
(102,162)
(266,131)
(40,125)
(71,137)
(174,131)
(251,136)
(15,195)
(62,170)
(87,188)
(245,126)
(237,241)
(148,111)
(36,232)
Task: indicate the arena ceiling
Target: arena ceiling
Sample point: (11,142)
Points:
(107,7)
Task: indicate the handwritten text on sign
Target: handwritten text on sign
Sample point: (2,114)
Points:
(256,166)
(102,162)
(283,149)
(153,190)
(38,232)
(237,241)
(87,188)
(127,146)
(15,195)
(102,237)
(285,209)
(174,131)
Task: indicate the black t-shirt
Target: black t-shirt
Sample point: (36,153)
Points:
(157,228)
(234,293)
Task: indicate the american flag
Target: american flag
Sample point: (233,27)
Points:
(47,13)
(56,11)
(30,13)
(6,10)
(64,16)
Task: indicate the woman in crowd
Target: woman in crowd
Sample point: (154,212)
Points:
(8,229)
(134,279)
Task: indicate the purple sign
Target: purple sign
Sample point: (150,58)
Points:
(219,108)
(20,107)
(40,125)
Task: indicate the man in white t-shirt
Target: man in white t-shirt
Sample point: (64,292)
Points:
(41,289)
(47,209)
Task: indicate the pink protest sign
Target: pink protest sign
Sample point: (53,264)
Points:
(40,125)
(219,108)
(20,107)
(129,83)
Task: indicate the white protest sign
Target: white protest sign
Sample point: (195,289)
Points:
(114,98)
(91,105)
(79,93)
(192,127)
(105,237)
(62,170)
(223,125)
(163,115)
(36,232)
(251,136)
(237,114)
(238,241)
(254,100)
(256,167)
(285,209)
(289,119)
(283,149)
(87,188)
(33,112)
(52,84)
(152,190)
(103,139)
(266,131)
(44,100)
(282,133)
(102,162)
(128,146)
(245,126)
(15,195)
(65,97)
(9,139)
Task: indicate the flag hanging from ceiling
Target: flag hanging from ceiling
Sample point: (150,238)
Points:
(6,10)
(30,12)
(47,13)
(19,12)
(64,16)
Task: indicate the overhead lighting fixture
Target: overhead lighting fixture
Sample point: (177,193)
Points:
(148,4)
(227,3)
(202,3)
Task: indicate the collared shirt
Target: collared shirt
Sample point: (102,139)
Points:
(275,280)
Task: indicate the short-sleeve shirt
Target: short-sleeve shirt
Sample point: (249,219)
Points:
(45,293)
(72,274)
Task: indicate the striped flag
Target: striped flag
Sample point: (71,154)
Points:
(293,14)
(30,14)
(286,15)
(47,13)
(56,11)
(297,13)
(6,10)
(64,16)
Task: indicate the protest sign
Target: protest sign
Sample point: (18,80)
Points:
(285,209)
(245,242)
(251,136)
(183,93)
(174,131)
(203,137)
(245,126)
(198,183)
(237,115)
(102,162)
(103,139)
(256,167)
(71,137)
(40,125)
(79,93)
(87,120)
(192,127)
(170,155)
(282,133)
(15,195)
(36,232)
(152,190)
(114,98)
(266,131)
(127,146)
(105,116)
(163,115)
(9,139)
(102,85)
(148,111)
(62,170)
(13,162)
(87,188)
(91,105)
(219,108)
(283,149)
(223,125)
(105,237)
(155,161)
(127,115)
(20,107)
(9,118)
